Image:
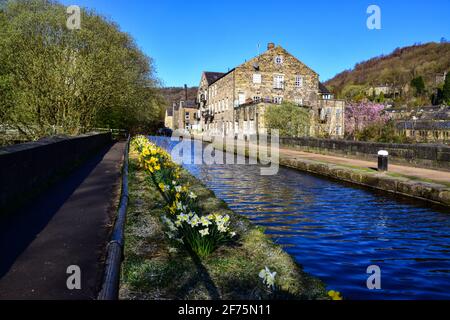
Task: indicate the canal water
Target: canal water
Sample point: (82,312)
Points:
(336,230)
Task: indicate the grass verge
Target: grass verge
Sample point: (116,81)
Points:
(156,269)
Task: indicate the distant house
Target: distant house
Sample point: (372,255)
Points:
(440,78)
(183,115)
(168,119)
(233,103)
(424,124)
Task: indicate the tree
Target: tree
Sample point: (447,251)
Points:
(291,119)
(419,85)
(56,79)
(359,116)
(381,131)
(446,90)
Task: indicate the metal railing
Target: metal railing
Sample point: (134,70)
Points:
(114,258)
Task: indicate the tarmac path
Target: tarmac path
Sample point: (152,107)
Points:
(69,224)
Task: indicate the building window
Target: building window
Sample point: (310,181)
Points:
(257,79)
(256,99)
(278,82)
(241,98)
(299,101)
(298,81)
(279,60)
(277,100)
(187,115)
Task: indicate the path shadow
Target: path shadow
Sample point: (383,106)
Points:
(20,227)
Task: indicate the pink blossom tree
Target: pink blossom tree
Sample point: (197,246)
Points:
(359,116)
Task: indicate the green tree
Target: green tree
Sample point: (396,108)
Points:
(56,79)
(419,85)
(290,119)
(446,90)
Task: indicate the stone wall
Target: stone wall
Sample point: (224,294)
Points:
(422,155)
(26,168)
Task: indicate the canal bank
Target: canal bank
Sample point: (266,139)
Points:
(337,230)
(411,185)
(155,268)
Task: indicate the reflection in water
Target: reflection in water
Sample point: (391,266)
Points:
(336,231)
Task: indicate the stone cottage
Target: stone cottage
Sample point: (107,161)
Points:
(233,103)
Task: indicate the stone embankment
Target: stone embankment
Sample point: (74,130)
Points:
(437,192)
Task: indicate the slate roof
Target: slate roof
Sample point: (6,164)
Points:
(423,125)
(213,76)
(323,89)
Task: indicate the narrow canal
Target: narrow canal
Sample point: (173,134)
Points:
(336,230)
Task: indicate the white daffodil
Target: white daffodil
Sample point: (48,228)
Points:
(170,235)
(169,224)
(183,217)
(192,195)
(195,221)
(233,234)
(222,228)
(204,232)
(205,221)
(178,188)
(268,277)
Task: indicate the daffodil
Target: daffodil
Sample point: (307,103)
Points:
(192,195)
(335,295)
(268,277)
(183,217)
(222,228)
(194,221)
(205,221)
(204,232)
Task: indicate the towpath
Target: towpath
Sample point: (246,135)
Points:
(68,225)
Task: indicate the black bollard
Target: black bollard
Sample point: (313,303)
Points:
(383,160)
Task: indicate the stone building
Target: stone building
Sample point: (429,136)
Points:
(183,115)
(423,124)
(233,103)
(168,119)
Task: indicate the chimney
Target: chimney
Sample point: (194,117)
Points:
(185,93)
(270,45)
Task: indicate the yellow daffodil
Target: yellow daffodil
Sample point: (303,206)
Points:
(335,295)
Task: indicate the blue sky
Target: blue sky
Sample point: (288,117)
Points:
(187,37)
